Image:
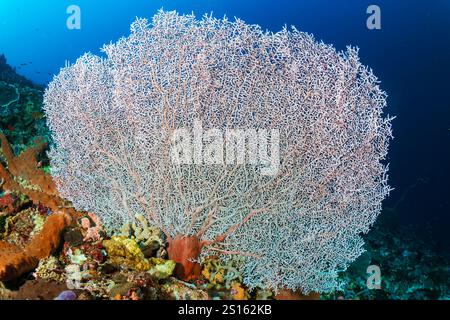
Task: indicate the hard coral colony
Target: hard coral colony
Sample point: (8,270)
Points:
(113,120)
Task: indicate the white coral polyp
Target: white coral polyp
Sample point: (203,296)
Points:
(112,120)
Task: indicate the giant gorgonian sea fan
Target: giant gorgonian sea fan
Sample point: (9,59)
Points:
(114,119)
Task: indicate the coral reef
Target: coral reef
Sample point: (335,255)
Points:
(92,226)
(161,269)
(149,238)
(21,116)
(9,75)
(20,227)
(121,123)
(29,230)
(223,278)
(411,269)
(143,232)
(30,233)
(15,261)
(9,94)
(133,264)
(22,175)
(179,290)
(116,268)
(125,253)
(38,289)
(50,269)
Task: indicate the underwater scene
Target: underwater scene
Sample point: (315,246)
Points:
(224,150)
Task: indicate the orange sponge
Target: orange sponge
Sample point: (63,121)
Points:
(14,261)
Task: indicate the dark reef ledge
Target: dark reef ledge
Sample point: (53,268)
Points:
(21,116)
(9,75)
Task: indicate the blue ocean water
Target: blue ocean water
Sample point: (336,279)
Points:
(410,55)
